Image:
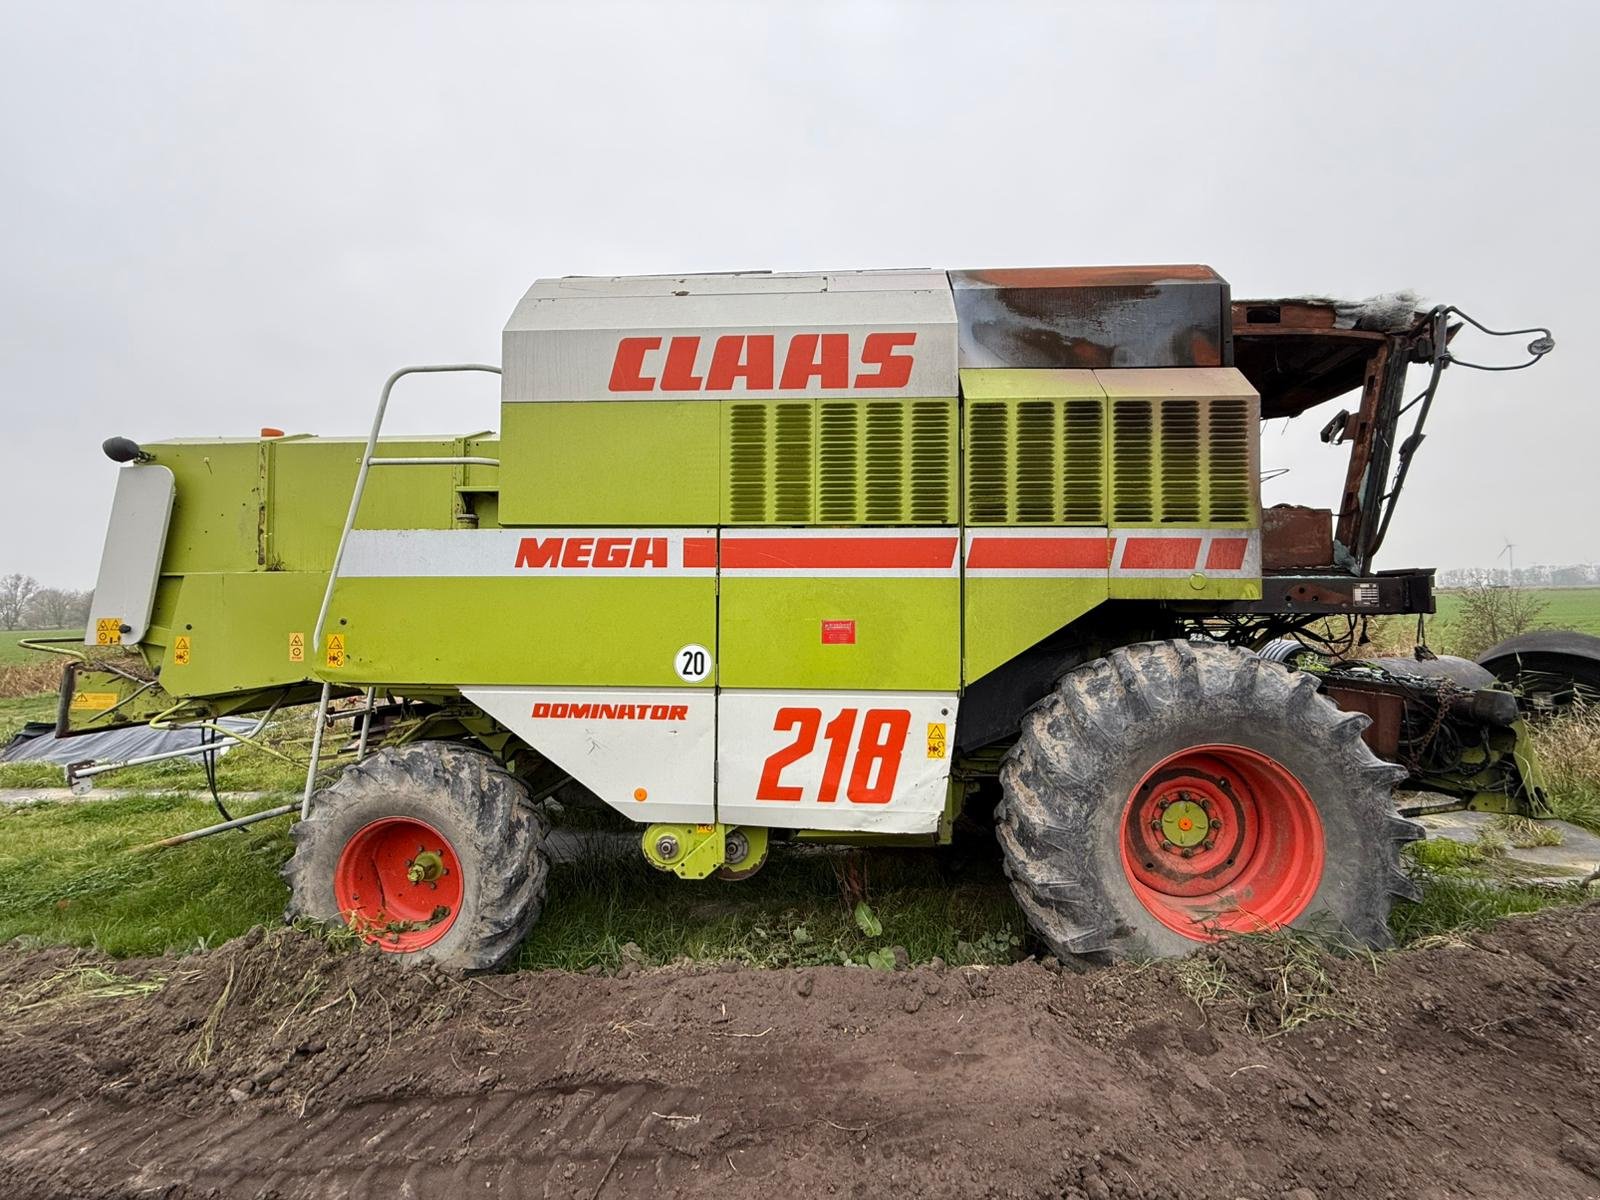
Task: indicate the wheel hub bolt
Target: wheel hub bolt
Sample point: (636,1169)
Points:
(426,867)
(1216,824)
(1210,843)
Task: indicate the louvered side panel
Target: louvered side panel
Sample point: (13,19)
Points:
(931,475)
(1083,464)
(839,463)
(988,462)
(1035,493)
(748,458)
(1231,485)
(792,469)
(884,457)
(1133,461)
(1178,442)
(771,476)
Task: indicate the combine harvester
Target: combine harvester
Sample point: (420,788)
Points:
(830,558)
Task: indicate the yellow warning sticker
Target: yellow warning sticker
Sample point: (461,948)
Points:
(94,700)
(108,631)
(336,649)
(936,739)
(297,647)
(180,650)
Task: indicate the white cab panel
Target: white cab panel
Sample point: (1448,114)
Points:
(871,762)
(650,754)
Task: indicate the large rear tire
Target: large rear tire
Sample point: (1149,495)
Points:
(1173,793)
(431,851)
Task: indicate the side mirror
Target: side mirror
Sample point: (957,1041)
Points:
(125,450)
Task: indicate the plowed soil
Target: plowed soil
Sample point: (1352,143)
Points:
(283,1066)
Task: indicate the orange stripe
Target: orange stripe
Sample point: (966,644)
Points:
(699,552)
(779,553)
(1160,554)
(1040,553)
(1226,554)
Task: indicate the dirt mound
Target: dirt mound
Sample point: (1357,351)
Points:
(284,1066)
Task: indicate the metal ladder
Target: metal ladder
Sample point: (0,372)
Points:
(369,459)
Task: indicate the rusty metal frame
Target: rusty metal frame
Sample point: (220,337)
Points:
(1371,430)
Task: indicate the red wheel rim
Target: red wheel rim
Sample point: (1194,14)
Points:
(1222,839)
(398,883)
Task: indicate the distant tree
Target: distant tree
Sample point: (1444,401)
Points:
(16,590)
(1487,614)
(57,608)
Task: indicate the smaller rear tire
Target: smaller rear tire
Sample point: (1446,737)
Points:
(432,851)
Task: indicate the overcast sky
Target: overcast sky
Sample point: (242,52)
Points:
(221,216)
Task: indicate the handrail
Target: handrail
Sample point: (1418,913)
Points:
(54,646)
(460,460)
(368,458)
(361,480)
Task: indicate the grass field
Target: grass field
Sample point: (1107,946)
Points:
(1564,608)
(74,872)
(12,653)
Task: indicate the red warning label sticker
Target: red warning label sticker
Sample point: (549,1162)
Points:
(838,633)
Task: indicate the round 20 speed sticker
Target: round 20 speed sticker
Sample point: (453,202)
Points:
(693,663)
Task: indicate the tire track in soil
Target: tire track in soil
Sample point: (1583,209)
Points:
(1019,1081)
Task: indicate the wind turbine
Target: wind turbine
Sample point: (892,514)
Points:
(1509,553)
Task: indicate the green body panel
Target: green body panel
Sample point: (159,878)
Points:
(278,504)
(1198,586)
(256,523)
(646,463)
(557,631)
(907,634)
(1005,616)
(94,698)
(1059,481)
(218,507)
(239,628)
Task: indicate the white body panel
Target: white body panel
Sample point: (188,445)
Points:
(650,754)
(130,563)
(492,553)
(567,336)
(797,760)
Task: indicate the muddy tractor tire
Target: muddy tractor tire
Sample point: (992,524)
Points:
(431,851)
(1174,793)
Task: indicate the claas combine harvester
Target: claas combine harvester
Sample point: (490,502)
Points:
(759,558)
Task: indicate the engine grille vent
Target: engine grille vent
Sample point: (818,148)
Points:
(1178,461)
(841,462)
(769,463)
(1035,462)
(1181,461)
